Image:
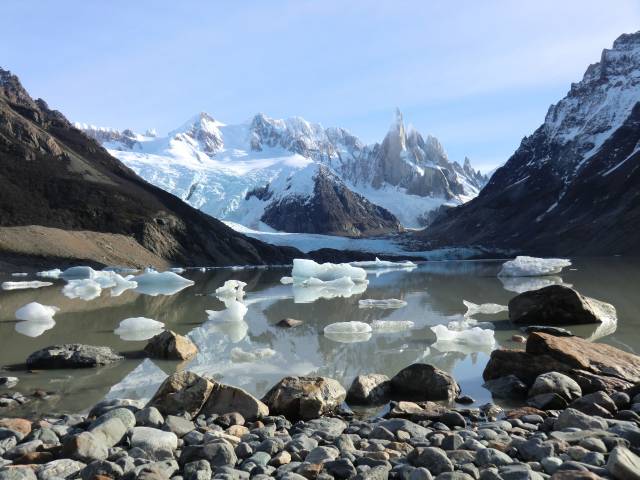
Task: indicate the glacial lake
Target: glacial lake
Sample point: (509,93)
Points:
(434,292)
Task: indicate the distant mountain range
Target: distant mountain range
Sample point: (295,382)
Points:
(296,176)
(573,187)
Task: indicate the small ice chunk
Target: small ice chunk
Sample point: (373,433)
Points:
(386,303)
(304,269)
(138,328)
(234,311)
(78,273)
(484,308)
(85,289)
(377,263)
(55,273)
(239,355)
(24,285)
(177,270)
(523,266)
(36,312)
(348,332)
(391,326)
(165,283)
(231,288)
(526,284)
(471,336)
(19,274)
(286,280)
(34,328)
(121,285)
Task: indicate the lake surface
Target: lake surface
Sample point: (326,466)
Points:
(434,293)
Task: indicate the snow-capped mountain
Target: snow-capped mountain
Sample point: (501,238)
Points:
(297,176)
(574,185)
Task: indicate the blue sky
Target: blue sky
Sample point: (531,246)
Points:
(479,75)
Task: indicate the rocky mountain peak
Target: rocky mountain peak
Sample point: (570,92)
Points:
(203,131)
(13,89)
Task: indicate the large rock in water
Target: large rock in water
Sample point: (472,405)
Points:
(169,345)
(371,388)
(422,381)
(72,355)
(182,392)
(594,366)
(304,397)
(227,399)
(559,305)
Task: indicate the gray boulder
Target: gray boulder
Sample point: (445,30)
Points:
(623,464)
(369,389)
(571,418)
(181,392)
(304,397)
(227,399)
(558,383)
(424,382)
(72,355)
(168,345)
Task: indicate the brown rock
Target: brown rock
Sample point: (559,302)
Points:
(518,339)
(32,458)
(304,397)
(281,458)
(372,388)
(20,425)
(169,345)
(558,305)
(182,392)
(227,399)
(522,411)
(417,412)
(289,323)
(237,430)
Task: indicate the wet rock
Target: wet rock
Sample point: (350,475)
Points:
(555,331)
(508,386)
(623,464)
(369,389)
(182,392)
(558,305)
(225,399)
(168,345)
(289,323)
(425,382)
(304,397)
(72,355)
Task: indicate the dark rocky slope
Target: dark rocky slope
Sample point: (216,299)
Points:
(53,175)
(573,187)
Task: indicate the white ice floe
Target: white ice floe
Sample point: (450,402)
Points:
(239,355)
(286,280)
(78,273)
(471,336)
(234,311)
(386,303)
(177,270)
(160,283)
(19,274)
(55,273)
(526,284)
(36,312)
(305,269)
(484,308)
(24,285)
(138,328)
(313,289)
(231,289)
(34,328)
(122,284)
(348,332)
(523,266)
(391,326)
(377,264)
(85,289)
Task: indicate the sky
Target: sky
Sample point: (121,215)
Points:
(479,75)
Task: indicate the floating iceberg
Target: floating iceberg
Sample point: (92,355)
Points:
(286,280)
(24,285)
(234,311)
(377,263)
(306,269)
(484,308)
(391,326)
(36,312)
(19,274)
(348,332)
(471,336)
(387,303)
(177,270)
(313,289)
(138,328)
(122,284)
(55,273)
(34,328)
(85,289)
(78,273)
(533,267)
(232,289)
(526,284)
(155,283)
(239,355)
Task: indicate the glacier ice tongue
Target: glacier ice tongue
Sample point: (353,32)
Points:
(138,328)
(36,312)
(484,308)
(160,283)
(471,336)
(391,326)
(386,303)
(304,269)
(85,289)
(231,289)
(348,332)
(239,355)
(383,264)
(24,285)
(523,266)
